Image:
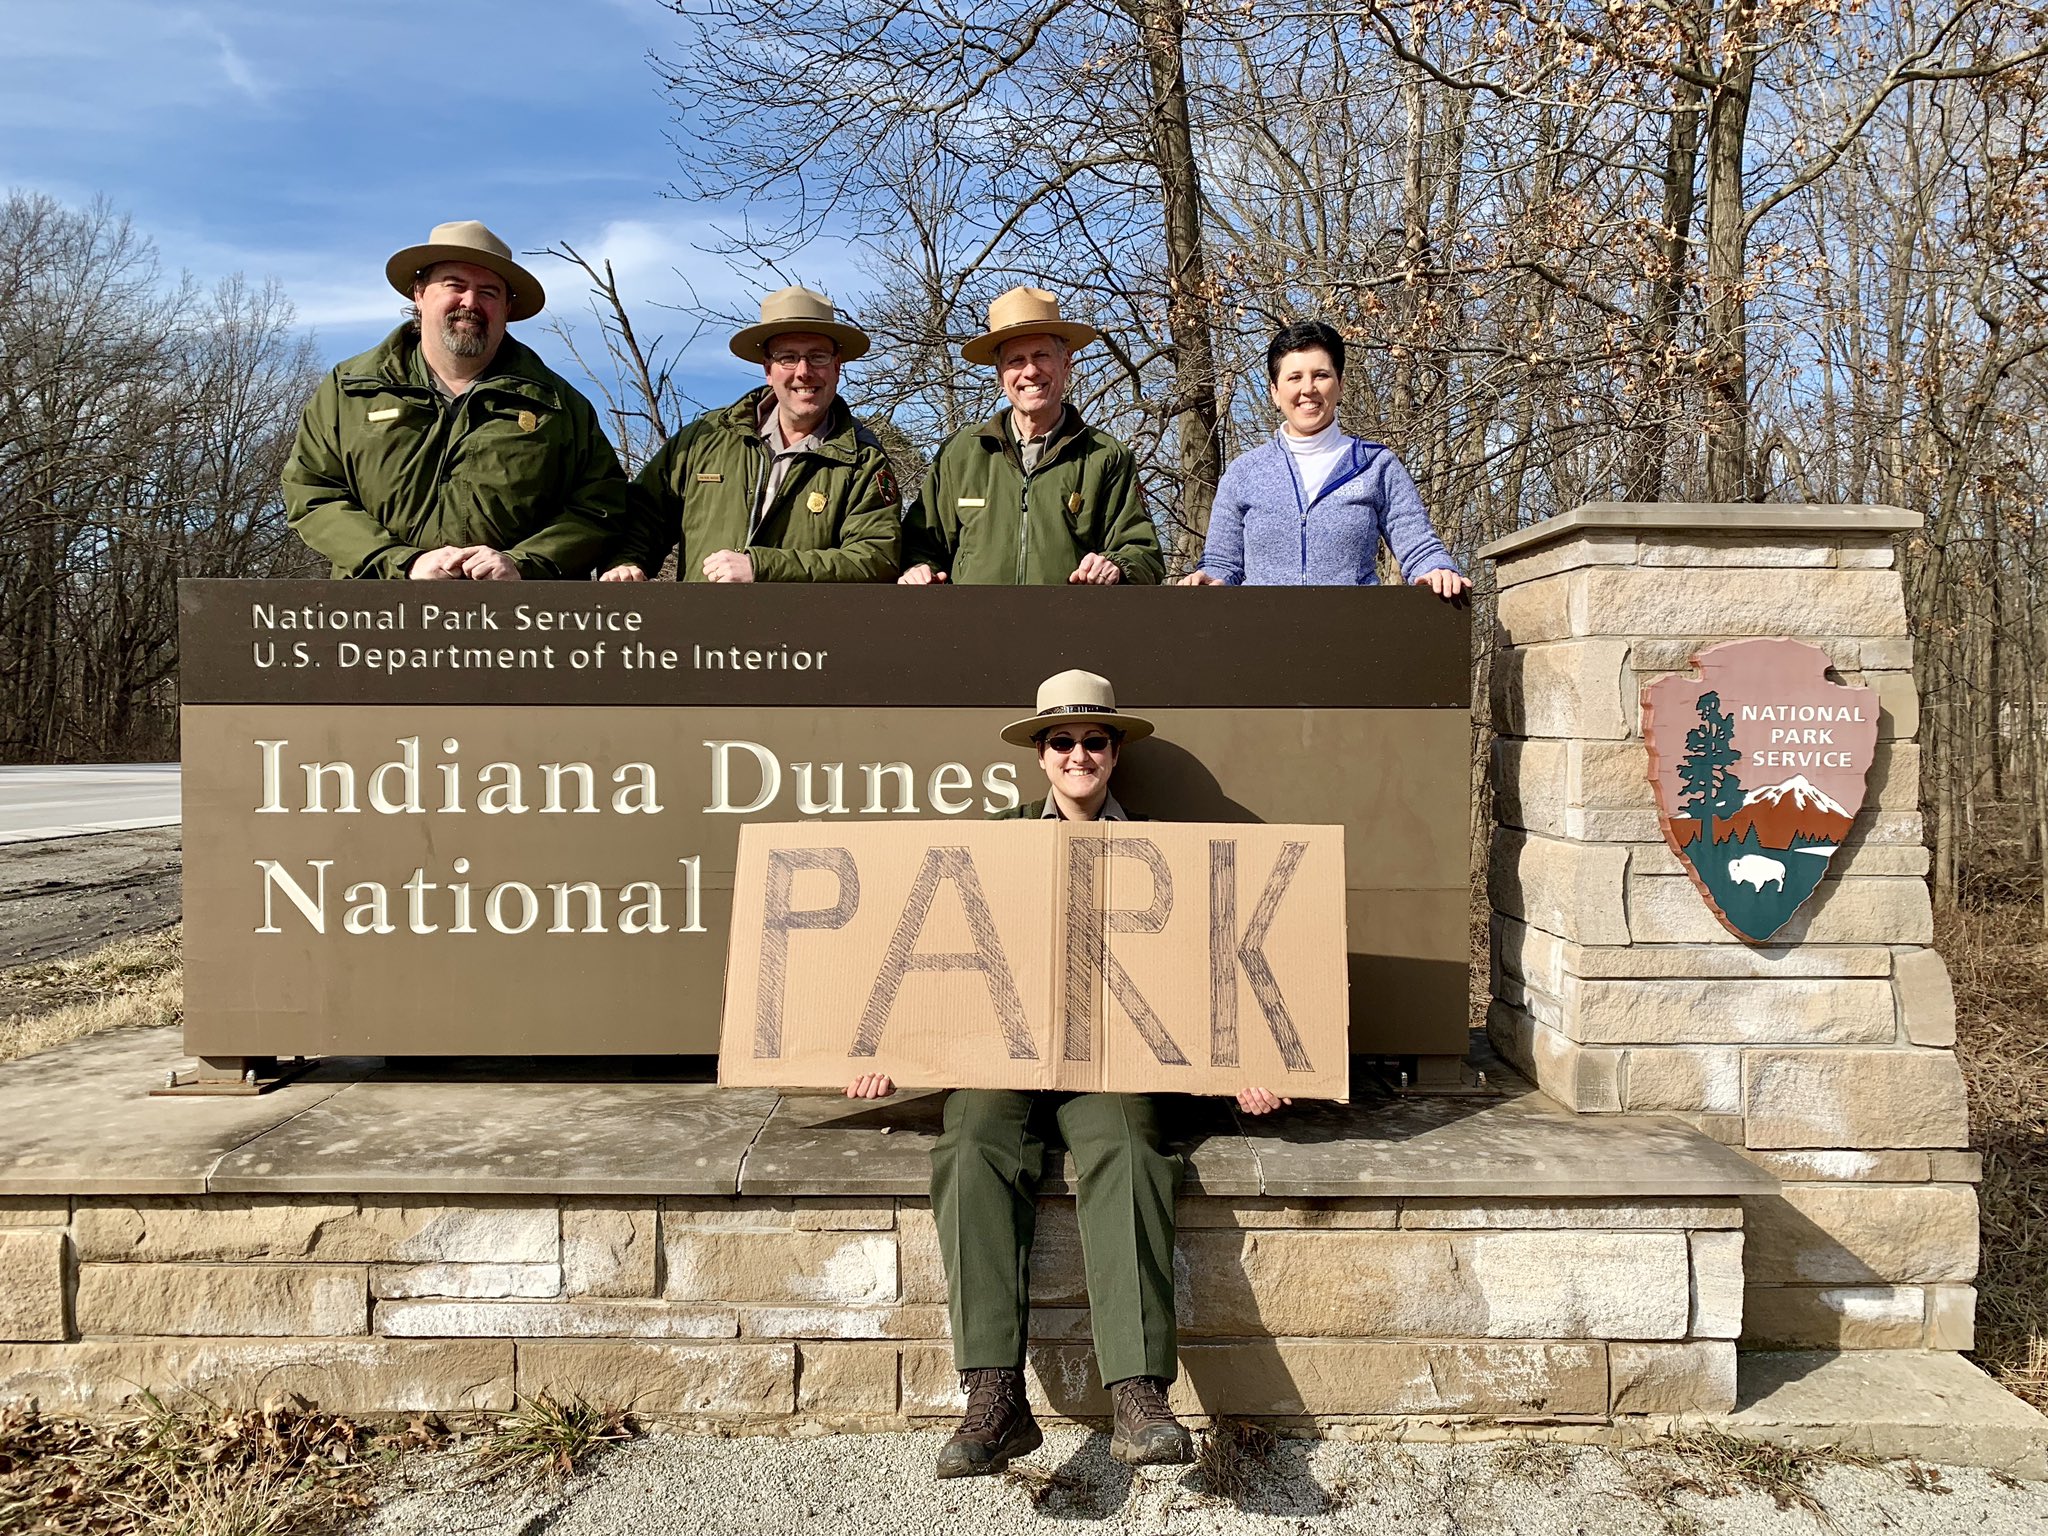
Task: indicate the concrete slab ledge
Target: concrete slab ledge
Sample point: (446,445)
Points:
(77,1121)
(1710,518)
(1889,1403)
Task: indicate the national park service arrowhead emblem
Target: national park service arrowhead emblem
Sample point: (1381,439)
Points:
(1758,766)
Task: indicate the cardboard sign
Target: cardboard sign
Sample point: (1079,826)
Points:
(1144,957)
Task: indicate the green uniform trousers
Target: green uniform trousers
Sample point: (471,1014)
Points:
(985,1173)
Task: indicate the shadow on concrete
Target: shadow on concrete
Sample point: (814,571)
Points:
(1088,1485)
(1278,1480)
(547,1069)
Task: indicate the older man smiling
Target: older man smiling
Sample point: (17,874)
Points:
(1033,496)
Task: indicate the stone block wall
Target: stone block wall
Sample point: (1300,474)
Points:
(1826,1056)
(834,1308)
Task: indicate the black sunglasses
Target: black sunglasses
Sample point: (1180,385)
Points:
(1064,743)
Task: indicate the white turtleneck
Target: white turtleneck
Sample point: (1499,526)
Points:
(1317,458)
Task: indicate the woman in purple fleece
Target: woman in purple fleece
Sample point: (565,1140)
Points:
(1310,507)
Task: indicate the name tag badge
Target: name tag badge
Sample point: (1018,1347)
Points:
(815,501)
(389,413)
(711,479)
(972,501)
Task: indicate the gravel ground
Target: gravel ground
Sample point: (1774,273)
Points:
(881,1485)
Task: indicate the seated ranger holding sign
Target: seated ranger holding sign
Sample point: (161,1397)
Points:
(782,485)
(988,1161)
(449,450)
(1034,496)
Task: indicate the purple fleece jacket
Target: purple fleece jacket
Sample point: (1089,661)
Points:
(1263,532)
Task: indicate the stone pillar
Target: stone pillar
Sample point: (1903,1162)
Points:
(1825,1057)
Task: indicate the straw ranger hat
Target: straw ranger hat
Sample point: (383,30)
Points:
(1075,698)
(798,309)
(1025,312)
(467,240)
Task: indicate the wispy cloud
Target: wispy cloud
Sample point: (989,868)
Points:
(236,68)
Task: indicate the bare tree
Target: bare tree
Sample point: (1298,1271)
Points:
(143,425)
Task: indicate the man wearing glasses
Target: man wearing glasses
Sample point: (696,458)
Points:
(782,485)
(1035,496)
(988,1161)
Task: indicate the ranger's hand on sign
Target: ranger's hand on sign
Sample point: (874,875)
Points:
(870,1085)
(438,565)
(482,564)
(728,565)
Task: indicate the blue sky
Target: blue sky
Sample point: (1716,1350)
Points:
(307,139)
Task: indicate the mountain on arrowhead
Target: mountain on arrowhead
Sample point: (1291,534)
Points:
(1792,811)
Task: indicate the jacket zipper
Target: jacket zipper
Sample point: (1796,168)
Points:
(757,480)
(1294,479)
(1023,523)
(1351,473)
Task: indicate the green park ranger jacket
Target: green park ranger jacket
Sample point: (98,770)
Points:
(385,467)
(980,518)
(837,517)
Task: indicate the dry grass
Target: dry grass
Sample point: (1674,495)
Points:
(1712,1465)
(274,1472)
(132,983)
(546,1442)
(1995,951)
(1230,1455)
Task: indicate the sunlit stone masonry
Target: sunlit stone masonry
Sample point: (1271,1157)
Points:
(1824,1057)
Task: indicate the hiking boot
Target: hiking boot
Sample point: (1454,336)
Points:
(1146,1432)
(997,1426)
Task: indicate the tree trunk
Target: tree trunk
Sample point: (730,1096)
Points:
(1414,235)
(1162,26)
(1727,339)
(1667,287)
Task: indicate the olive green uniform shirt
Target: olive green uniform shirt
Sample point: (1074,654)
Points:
(835,516)
(388,466)
(983,517)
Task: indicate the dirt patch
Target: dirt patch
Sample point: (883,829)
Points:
(66,895)
(61,901)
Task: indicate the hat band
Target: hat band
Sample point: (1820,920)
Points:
(1077,709)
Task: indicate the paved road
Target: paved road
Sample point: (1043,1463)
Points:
(40,802)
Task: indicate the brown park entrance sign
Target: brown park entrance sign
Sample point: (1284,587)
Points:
(472,819)
(1759,766)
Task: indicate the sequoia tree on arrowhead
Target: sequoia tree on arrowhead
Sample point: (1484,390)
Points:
(1712,790)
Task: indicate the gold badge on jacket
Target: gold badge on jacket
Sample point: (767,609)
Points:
(815,501)
(528,421)
(1074,504)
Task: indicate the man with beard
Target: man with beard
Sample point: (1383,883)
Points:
(1034,496)
(781,485)
(450,451)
